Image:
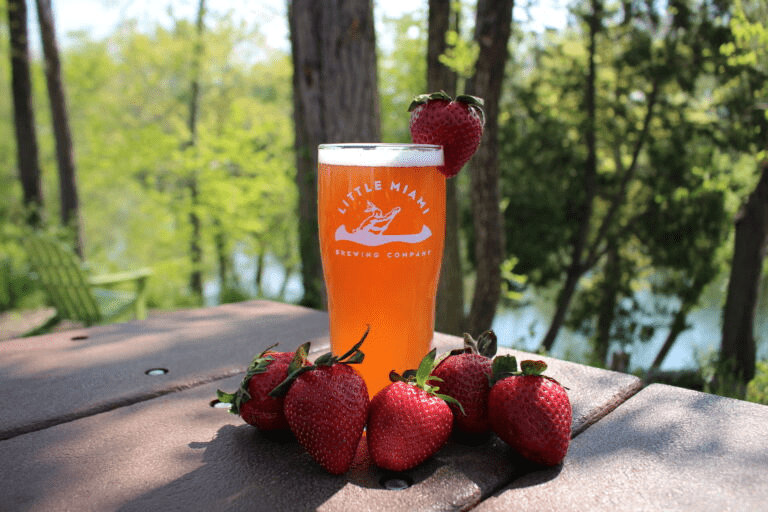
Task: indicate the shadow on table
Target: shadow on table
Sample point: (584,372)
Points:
(246,469)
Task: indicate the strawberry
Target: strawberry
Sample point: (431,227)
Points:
(326,405)
(529,411)
(457,125)
(251,400)
(466,374)
(408,421)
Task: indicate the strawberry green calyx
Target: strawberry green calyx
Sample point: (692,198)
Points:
(258,365)
(485,345)
(467,99)
(506,366)
(533,367)
(423,377)
(503,367)
(422,99)
(298,364)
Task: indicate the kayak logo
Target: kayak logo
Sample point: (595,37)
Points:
(372,230)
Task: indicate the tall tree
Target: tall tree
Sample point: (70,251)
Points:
(335,95)
(747,59)
(588,243)
(24,115)
(195,247)
(449,316)
(606,156)
(70,204)
(578,266)
(738,347)
(492,31)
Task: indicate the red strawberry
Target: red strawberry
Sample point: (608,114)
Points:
(530,412)
(326,405)
(465,374)
(457,125)
(251,400)
(408,421)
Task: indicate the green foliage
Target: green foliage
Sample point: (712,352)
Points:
(128,103)
(718,376)
(129,97)
(757,389)
(513,285)
(461,54)
(402,74)
(667,238)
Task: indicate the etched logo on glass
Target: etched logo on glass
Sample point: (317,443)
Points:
(372,230)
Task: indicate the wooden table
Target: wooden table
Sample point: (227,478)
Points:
(83,426)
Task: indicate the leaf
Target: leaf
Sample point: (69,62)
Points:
(299,358)
(529,367)
(425,368)
(503,367)
(487,344)
(224,397)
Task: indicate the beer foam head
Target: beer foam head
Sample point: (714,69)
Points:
(381,155)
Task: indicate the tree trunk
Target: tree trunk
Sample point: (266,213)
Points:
(577,267)
(335,99)
(492,31)
(449,315)
(737,346)
(678,325)
(607,309)
(222,258)
(23,113)
(194,85)
(195,247)
(70,205)
(258,275)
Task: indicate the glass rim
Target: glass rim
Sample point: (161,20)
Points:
(381,155)
(380,146)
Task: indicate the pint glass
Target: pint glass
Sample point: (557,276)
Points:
(381,211)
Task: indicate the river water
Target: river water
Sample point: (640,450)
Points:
(524,327)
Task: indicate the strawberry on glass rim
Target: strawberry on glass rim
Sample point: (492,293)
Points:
(457,125)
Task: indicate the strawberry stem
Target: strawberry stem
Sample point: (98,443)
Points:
(298,366)
(259,364)
(421,379)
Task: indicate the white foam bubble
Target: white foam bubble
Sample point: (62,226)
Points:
(381,155)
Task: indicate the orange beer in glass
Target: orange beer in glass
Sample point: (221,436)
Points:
(381,212)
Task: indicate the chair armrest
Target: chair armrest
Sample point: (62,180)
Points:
(120,277)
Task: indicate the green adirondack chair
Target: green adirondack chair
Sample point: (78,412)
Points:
(78,296)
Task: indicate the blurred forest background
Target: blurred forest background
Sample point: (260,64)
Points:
(621,192)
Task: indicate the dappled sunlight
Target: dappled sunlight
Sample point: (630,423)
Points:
(107,364)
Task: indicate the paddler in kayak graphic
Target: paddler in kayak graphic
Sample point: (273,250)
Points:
(376,222)
(371,230)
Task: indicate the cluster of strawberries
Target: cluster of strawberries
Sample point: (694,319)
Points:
(326,404)
(327,408)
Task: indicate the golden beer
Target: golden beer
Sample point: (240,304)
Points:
(381,210)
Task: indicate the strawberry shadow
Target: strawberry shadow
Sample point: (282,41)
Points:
(364,473)
(246,469)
